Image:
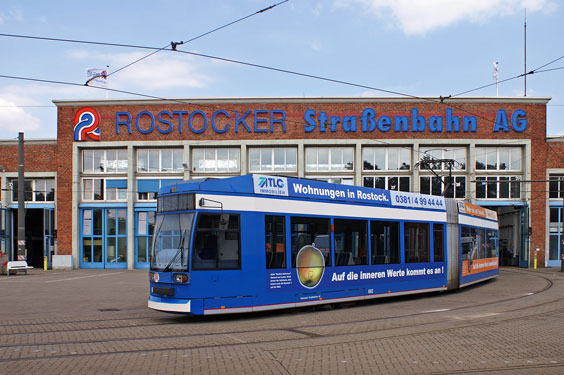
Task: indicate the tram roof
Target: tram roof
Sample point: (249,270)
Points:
(299,188)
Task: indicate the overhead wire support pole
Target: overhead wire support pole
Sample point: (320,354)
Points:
(21,255)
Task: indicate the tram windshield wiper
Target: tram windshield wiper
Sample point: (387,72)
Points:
(178,252)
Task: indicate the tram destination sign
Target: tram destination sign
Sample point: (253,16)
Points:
(311,189)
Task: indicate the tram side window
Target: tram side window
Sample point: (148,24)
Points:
(438,242)
(275,241)
(491,243)
(469,243)
(416,242)
(217,242)
(350,242)
(310,231)
(385,242)
(482,246)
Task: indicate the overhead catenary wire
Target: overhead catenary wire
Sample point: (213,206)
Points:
(219,59)
(173,45)
(537,70)
(380,141)
(179,101)
(441,100)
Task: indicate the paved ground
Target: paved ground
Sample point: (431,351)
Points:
(97,322)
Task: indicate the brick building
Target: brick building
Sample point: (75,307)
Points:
(90,193)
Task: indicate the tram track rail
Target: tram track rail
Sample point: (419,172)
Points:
(149,316)
(300,330)
(70,321)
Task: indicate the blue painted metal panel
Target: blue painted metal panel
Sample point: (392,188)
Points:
(119,184)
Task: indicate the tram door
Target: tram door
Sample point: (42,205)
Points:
(103,238)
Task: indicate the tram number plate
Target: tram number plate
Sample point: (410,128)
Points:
(163,291)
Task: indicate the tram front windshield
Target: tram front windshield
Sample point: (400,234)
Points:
(171,242)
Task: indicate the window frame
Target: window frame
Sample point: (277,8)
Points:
(121,165)
(32,190)
(359,260)
(119,193)
(176,160)
(489,187)
(331,154)
(447,153)
(195,264)
(273,258)
(388,181)
(262,168)
(406,151)
(216,161)
(483,162)
(457,193)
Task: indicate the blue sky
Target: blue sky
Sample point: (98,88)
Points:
(414,47)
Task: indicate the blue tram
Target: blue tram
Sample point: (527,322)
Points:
(258,242)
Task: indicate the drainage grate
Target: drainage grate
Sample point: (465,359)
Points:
(109,309)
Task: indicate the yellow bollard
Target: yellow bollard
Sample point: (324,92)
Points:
(45,264)
(535,261)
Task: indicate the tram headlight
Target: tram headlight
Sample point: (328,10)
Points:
(180,278)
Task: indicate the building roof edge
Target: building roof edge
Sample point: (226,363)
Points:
(332,99)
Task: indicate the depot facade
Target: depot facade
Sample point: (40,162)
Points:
(90,193)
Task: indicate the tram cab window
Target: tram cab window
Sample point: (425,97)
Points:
(217,242)
(416,242)
(438,242)
(275,241)
(310,231)
(385,240)
(350,245)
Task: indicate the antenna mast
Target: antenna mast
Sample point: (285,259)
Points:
(525,52)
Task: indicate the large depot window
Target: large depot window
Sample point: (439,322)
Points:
(278,159)
(498,158)
(321,159)
(216,160)
(160,160)
(104,161)
(386,158)
(36,190)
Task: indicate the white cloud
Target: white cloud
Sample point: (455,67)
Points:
(317,9)
(418,17)
(160,71)
(316,46)
(14,118)
(15,14)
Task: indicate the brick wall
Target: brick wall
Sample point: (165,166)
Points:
(485,115)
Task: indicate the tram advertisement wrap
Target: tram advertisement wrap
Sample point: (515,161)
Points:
(354,276)
(284,186)
(474,266)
